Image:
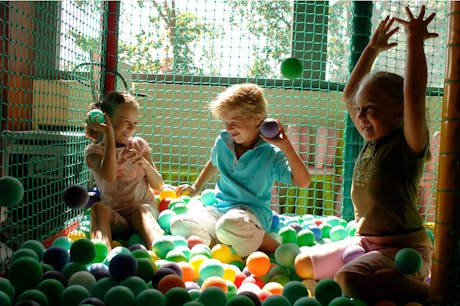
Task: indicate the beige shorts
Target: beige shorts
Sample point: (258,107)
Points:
(238,228)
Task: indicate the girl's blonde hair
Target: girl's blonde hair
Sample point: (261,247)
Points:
(391,83)
(109,105)
(247,98)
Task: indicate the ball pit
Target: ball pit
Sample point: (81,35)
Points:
(178,270)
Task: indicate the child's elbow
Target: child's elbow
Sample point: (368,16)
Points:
(303,182)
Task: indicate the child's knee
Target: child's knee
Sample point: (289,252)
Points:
(304,266)
(100,211)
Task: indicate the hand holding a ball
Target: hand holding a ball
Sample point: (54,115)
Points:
(98,121)
(272,132)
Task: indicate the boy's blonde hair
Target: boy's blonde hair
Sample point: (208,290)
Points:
(247,98)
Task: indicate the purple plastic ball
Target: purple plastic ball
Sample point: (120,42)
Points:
(352,252)
(269,128)
(76,196)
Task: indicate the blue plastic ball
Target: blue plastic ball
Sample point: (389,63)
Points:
(122,266)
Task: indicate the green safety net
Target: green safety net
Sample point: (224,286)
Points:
(175,57)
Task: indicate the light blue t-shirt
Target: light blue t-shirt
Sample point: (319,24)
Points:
(248,181)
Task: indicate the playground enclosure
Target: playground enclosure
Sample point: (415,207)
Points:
(175,57)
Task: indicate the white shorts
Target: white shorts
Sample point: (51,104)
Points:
(238,228)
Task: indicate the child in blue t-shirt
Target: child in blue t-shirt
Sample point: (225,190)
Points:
(248,164)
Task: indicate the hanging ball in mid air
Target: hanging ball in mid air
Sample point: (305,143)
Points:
(291,68)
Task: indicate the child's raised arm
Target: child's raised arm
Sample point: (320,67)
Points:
(415,81)
(378,43)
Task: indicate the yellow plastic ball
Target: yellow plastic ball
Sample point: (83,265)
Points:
(76,234)
(229,272)
(196,262)
(221,252)
(167,193)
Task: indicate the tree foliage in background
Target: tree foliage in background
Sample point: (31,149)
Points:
(269,28)
(166,39)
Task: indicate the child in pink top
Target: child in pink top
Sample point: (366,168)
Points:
(124,173)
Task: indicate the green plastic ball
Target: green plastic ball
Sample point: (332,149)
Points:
(72,267)
(102,286)
(243,300)
(83,251)
(96,115)
(119,296)
(145,269)
(291,68)
(83,278)
(33,295)
(275,300)
(4,299)
(341,301)
(307,301)
(12,191)
(326,290)
(63,242)
(294,290)
(7,288)
(151,297)
(24,253)
(305,237)
(101,250)
(34,245)
(288,234)
(164,219)
(285,254)
(338,232)
(135,284)
(213,296)
(72,295)
(162,246)
(25,273)
(177,296)
(194,303)
(208,197)
(52,288)
(408,261)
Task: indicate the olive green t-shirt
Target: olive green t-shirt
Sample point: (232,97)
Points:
(385,184)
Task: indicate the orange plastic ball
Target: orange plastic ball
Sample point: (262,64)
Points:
(258,263)
(188,273)
(170,281)
(215,281)
(273,288)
